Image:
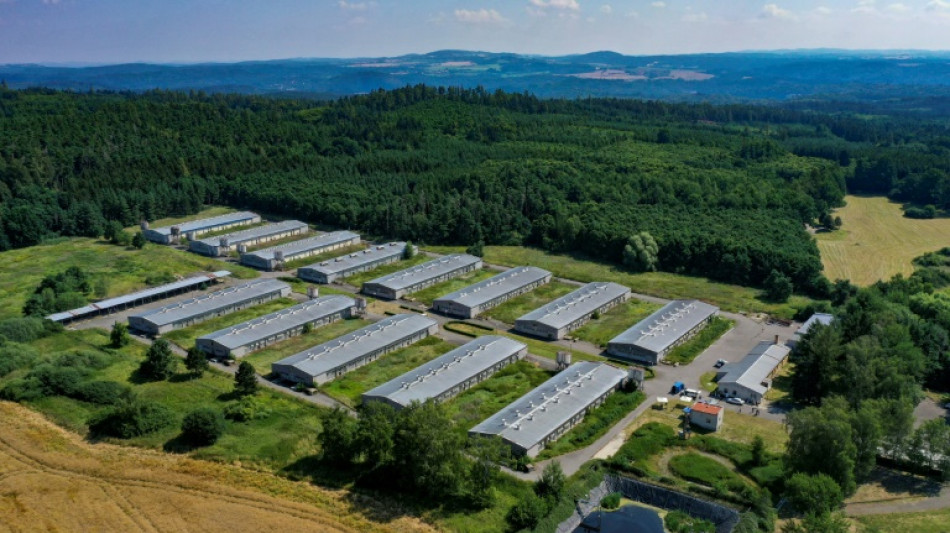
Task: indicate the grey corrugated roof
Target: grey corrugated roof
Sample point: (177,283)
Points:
(824,319)
(139,295)
(491,288)
(279,321)
(254,233)
(570,307)
(356,259)
(448,370)
(205,303)
(756,366)
(531,418)
(325,357)
(304,245)
(428,270)
(665,326)
(207,223)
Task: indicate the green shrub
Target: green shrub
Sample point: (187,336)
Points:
(203,426)
(101,392)
(648,440)
(22,390)
(84,359)
(246,409)
(526,514)
(27,329)
(611,501)
(55,380)
(680,522)
(132,418)
(14,355)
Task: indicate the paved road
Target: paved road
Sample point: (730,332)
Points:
(931,503)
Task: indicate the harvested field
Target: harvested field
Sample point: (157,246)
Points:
(54,481)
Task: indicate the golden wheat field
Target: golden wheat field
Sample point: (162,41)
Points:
(876,241)
(52,480)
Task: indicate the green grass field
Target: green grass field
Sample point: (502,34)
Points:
(122,269)
(185,337)
(923,522)
(514,308)
(429,294)
(285,433)
(351,386)
(491,395)
(661,284)
(358,279)
(701,469)
(615,321)
(689,350)
(595,424)
(263,359)
(876,241)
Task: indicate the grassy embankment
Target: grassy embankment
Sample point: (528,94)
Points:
(615,321)
(876,241)
(660,284)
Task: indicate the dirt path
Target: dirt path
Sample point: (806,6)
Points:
(933,503)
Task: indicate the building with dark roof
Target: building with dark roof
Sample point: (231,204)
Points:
(750,378)
(651,339)
(399,284)
(275,257)
(340,267)
(475,299)
(558,318)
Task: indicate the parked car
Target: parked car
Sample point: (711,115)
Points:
(720,363)
(735,401)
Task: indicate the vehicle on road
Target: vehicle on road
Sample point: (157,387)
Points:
(735,401)
(720,363)
(692,393)
(677,387)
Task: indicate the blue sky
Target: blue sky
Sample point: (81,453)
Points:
(110,31)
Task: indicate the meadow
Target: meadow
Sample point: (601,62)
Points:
(514,308)
(615,321)
(429,294)
(876,241)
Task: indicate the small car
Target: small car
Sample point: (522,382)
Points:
(735,401)
(720,363)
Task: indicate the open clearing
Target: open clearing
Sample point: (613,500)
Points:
(876,241)
(52,480)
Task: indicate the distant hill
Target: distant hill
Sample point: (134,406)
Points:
(731,77)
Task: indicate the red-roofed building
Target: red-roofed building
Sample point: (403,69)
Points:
(706,416)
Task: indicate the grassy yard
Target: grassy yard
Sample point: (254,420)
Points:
(429,294)
(351,386)
(662,284)
(122,270)
(300,287)
(185,337)
(735,427)
(924,522)
(285,431)
(707,381)
(514,308)
(615,321)
(701,469)
(362,277)
(595,424)
(781,390)
(689,350)
(490,396)
(263,359)
(876,241)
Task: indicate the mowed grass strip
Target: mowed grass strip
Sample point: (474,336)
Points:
(349,388)
(595,423)
(493,394)
(263,359)
(921,522)
(736,427)
(122,270)
(733,298)
(615,321)
(382,270)
(689,350)
(514,308)
(429,294)
(185,337)
(876,241)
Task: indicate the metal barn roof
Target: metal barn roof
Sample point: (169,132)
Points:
(325,357)
(279,321)
(205,303)
(255,233)
(756,366)
(487,290)
(118,301)
(529,419)
(448,370)
(207,223)
(357,259)
(425,271)
(570,307)
(824,319)
(665,326)
(304,245)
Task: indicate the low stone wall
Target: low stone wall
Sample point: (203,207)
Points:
(723,517)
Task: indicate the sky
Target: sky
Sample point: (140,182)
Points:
(171,31)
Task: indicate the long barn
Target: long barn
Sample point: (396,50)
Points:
(200,308)
(225,244)
(340,267)
(475,299)
(172,234)
(276,256)
(651,339)
(332,359)
(399,284)
(556,319)
(241,339)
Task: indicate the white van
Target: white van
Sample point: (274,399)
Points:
(692,393)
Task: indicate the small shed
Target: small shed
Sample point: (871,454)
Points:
(662,402)
(705,416)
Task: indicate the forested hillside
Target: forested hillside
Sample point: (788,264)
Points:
(725,191)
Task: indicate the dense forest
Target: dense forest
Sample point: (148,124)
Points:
(725,191)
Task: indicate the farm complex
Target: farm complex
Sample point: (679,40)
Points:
(474,299)
(562,316)
(354,263)
(651,339)
(225,244)
(196,228)
(275,257)
(399,284)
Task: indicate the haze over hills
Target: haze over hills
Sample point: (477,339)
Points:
(910,76)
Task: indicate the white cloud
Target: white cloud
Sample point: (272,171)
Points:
(632,14)
(695,17)
(823,10)
(606,9)
(898,8)
(570,5)
(479,16)
(659,4)
(776,12)
(352,6)
(936,5)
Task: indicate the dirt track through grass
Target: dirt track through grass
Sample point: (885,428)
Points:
(876,241)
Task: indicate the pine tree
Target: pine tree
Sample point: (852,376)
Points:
(245,380)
